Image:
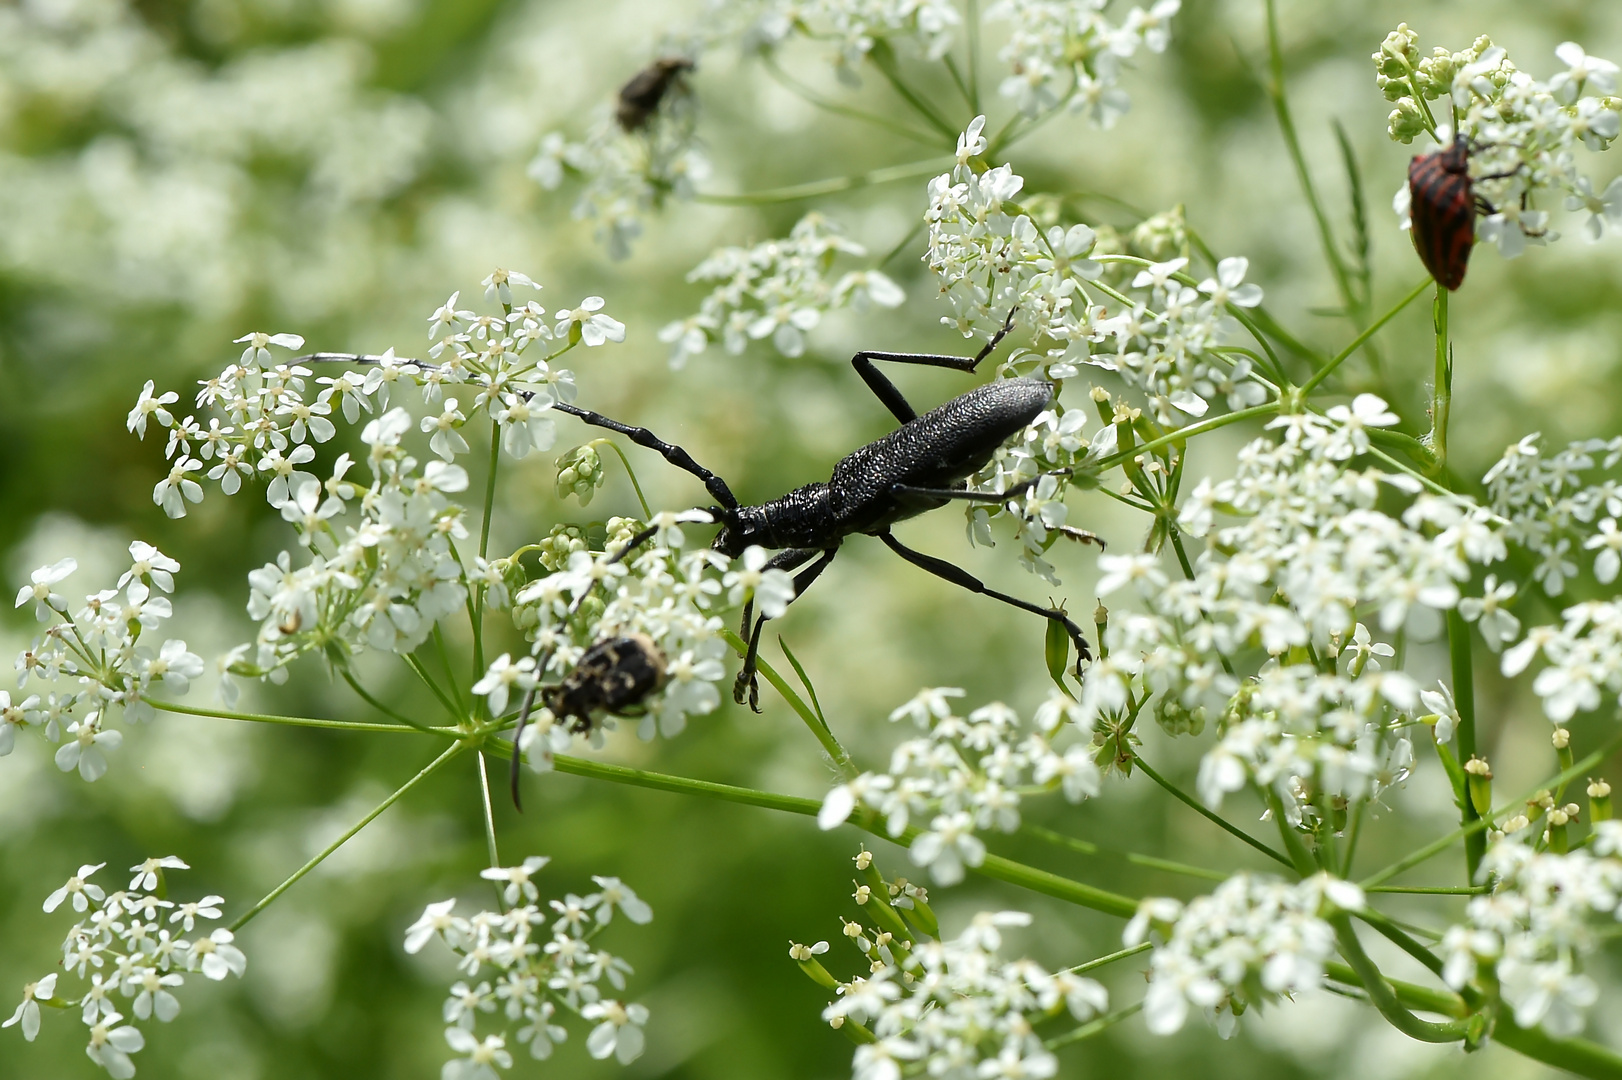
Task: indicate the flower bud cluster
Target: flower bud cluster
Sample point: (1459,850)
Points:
(1252,941)
(93,660)
(968,774)
(1065,52)
(1527,939)
(128,945)
(778,289)
(949,1008)
(533,965)
(1522,132)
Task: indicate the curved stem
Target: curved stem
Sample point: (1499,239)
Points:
(883,58)
(489,814)
(1442,390)
(1109,959)
(423,774)
(1193,803)
(805,93)
(354,684)
(1464,702)
(647,513)
(1382,996)
(1085,847)
(824,735)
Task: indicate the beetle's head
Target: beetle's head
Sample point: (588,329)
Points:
(741,528)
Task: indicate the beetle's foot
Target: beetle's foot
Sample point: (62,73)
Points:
(747,688)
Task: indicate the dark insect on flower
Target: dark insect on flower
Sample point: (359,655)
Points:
(1442,205)
(613,676)
(640,98)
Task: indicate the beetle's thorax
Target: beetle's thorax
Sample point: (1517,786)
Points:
(798,519)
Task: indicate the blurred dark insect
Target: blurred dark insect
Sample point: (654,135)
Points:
(640,98)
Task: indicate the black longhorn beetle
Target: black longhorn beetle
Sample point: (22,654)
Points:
(921,465)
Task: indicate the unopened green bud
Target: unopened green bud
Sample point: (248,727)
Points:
(1599,800)
(1478,779)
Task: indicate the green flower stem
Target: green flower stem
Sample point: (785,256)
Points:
(1398,937)
(1091,965)
(1574,1055)
(1085,847)
(994,866)
(961,84)
(489,813)
(1286,123)
(1464,701)
(433,687)
(883,58)
(1094,1027)
(830,743)
(647,514)
(1188,572)
(1187,432)
(1442,391)
(805,93)
(426,771)
(971,21)
(831,186)
(444,652)
(298,721)
(1438,846)
(1383,996)
(490,487)
(1413,294)
(1431,890)
(354,684)
(1198,807)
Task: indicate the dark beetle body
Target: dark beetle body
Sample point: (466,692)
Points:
(640,98)
(613,675)
(939,450)
(1442,207)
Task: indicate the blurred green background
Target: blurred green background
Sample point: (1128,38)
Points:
(174,175)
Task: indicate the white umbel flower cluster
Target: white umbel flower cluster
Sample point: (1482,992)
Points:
(779,289)
(953,1009)
(969,774)
(852,27)
(1166,335)
(1311,550)
(128,945)
(1530,935)
(1560,505)
(533,965)
(1523,132)
(1065,52)
(93,661)
(1254,940)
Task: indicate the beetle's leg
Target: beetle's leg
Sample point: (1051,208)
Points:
(746,684)
(674,454)
(904,491)
(886,391)
(960,577)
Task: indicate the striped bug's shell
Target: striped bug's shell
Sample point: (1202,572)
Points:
(1442,206)
(614,675)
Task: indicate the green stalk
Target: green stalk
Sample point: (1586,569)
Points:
(1198,807)
(489,813)
(1383,996)
(971,24)
(296,721)
(426,771)
(1438,846)
(824,735)
(1281,109)
(1442,393)
(354,684)
(647,513)
(831,186)
(1357,342)
(433,687)
(1090,965)
(1085,847)
(805,93)
(883,58)
(1094,1027)
(1464,700)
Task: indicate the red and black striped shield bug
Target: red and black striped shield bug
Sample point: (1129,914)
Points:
(1442,207)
